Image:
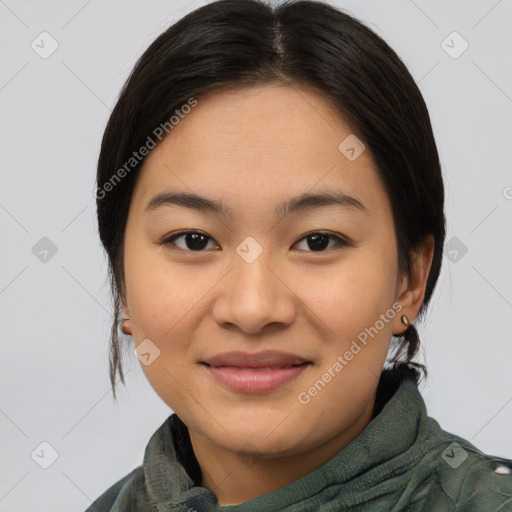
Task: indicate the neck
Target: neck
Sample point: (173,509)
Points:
(235,478)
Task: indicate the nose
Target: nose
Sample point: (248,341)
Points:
(254,295)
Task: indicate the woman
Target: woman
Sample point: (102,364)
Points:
(270,199)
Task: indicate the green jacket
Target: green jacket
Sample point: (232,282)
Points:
(402,461)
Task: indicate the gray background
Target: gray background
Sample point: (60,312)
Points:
(55,315)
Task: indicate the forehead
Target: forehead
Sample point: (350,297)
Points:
(261,141)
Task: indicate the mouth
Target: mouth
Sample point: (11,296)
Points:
(255,373)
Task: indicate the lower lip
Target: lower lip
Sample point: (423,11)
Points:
(254,380)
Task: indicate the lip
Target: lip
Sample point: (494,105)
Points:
(255,380)
(265,359)
(258,372)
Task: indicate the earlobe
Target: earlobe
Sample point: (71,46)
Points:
(125,327)
(404,319)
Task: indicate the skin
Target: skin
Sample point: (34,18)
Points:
(253,149)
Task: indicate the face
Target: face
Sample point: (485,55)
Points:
(306,297)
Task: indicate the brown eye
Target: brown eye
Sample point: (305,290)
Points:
(319,242)
(193,241)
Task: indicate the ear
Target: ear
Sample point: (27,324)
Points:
(412,288)
(126,314)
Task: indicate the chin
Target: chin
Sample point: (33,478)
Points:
(257,429)
(255,442)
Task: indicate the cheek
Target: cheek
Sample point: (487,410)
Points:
(163,297)
(351,297)
(165,305)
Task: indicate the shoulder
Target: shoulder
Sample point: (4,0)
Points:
(470,479)
(124,495)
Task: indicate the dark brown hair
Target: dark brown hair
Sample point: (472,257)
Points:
(242,43)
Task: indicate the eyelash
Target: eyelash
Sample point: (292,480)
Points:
(340,242)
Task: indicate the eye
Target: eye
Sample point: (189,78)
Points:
(319,241)
(195,241)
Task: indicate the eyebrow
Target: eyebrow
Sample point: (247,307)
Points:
(299,204)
